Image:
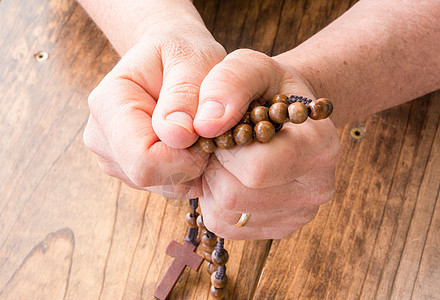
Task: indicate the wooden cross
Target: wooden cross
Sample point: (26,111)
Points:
(184,255)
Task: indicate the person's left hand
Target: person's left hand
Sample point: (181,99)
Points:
(281,183)
(141,114)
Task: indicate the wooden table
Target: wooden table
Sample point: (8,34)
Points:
(69,231)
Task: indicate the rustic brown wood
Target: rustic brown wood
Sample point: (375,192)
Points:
(183,256)
(69,231)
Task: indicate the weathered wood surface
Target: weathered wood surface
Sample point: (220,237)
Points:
(69,231)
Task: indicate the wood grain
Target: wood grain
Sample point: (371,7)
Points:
(67,231)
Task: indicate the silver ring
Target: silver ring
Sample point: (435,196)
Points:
(243,220)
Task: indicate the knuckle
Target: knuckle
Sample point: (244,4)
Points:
(260,58)
(333,151)
(254,178)
(212,225)
(308,217)
(225,198)
(176,48)
(107,167)
(248,53)
(228,203)
(138,176)
(138,171)
(187,92)
(88,140)
(94,100)
(325,196)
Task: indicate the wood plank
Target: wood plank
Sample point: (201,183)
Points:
(353,247)
(54,253)
(421,220)
(427,285)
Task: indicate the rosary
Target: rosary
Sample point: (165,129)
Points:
(260,122)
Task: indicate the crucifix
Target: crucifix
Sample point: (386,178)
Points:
(184,255)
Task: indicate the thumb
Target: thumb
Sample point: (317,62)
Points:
(225,94)
(177,104)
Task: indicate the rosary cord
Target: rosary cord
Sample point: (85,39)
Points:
(220,246)
(221,272)
(192,235)
(296,98)
(210,234)
(193,231)
(194,203)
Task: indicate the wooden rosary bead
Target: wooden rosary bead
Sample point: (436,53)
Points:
(207,256)
(259,113)
(279,98)
(318,110)
(211,268)
(207,248)
(226,140)
(243,134)
(191,220)
(200,223)
(246,119)
(264,131)
(220,259)
(297,113)
(218,293)
(278,112)
(219,283)
(329,104)
(208,241)
(253,104)
(207,145)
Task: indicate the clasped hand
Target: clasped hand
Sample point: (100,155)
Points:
(165,92)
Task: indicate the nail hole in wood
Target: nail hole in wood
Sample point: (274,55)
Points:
(41,56)
(357,133)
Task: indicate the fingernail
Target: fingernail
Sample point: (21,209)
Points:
(210,110)
(181,119)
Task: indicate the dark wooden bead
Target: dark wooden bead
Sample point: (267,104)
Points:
(226,140)
(253,104)
(207,248)
(207,256)
(259,113)
(279,98)
(220,259)
(218,293)
(219,283)
(329,104)
(207,145)
(211,268)
(191,220)
(264,131)
(200,223)
(278,112)
(243,134)
(246,119)
(318,110)
(208,241)
(297,113)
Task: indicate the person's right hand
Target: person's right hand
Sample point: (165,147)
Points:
(141,114)
(281,183)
